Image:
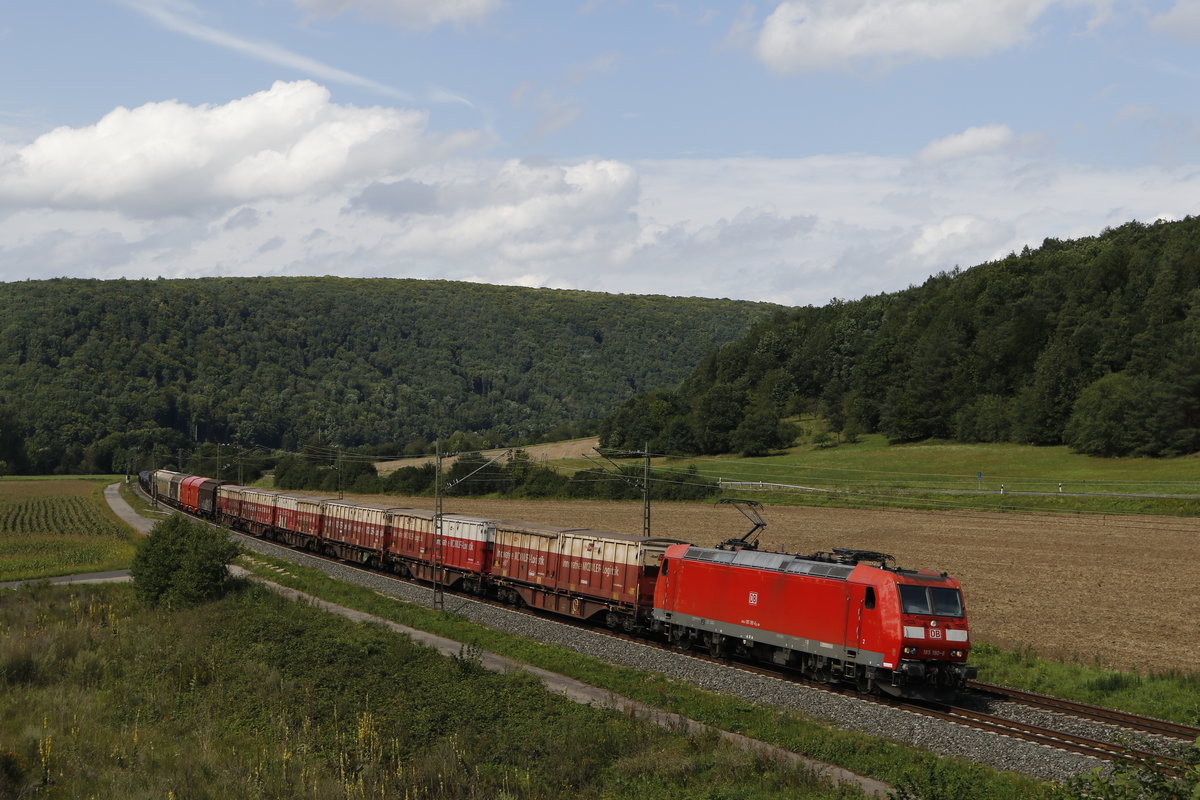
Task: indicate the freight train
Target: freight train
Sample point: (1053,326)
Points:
(842,616)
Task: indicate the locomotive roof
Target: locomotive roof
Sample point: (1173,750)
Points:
(804,565)
(781,562)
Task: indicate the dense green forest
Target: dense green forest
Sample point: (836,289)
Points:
(1094,343)
(93,371)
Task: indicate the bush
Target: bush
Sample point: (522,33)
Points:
(182,562)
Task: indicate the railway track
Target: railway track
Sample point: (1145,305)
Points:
(1122,719)
(1047,736)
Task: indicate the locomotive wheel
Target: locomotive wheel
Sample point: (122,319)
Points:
(716,646)
(680,638)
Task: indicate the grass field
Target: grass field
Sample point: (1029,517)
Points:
(61,526)
(254,696)
(939,474)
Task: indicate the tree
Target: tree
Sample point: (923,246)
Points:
(182,562)
(1109,417)
(1042,408)
(760,432)
(718,413)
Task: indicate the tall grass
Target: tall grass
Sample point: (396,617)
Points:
(256,697)
(1172,695)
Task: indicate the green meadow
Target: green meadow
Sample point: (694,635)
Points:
(870,473)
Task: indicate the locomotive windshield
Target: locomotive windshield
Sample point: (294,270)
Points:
(931,600)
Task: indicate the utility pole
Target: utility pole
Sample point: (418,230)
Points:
(338,450)
(438,598)
(646,492)
(644,482)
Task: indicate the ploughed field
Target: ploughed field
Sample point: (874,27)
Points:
(1117,591)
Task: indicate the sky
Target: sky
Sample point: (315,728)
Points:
(784,150)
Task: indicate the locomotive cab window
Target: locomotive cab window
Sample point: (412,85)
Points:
(869,600)
(931,601)
(946,602)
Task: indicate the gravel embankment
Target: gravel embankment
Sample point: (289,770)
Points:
(1000,752)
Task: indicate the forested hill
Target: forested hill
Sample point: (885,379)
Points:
(92,369)
(1094,343)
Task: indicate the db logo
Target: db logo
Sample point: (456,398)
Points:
(754,598)
(935,633)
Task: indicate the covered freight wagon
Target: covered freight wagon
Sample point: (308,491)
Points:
(166,484)
(246,509)
(197,495)
(258,509)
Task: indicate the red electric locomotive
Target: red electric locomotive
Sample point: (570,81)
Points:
(841,616)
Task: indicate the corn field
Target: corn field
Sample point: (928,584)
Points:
(50,528)
(58,515)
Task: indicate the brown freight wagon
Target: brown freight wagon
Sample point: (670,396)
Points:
(298,520)
(577,571)
(466,547)
(257,512)
(229,504)
(356,531)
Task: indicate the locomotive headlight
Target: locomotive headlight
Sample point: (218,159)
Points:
(956,653)
(910,651)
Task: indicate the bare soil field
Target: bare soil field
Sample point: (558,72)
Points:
(1118,591)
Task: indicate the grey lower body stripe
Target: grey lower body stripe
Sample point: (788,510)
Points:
(745,632)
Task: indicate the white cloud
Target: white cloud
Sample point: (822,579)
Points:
(971,142)
(163,12)
(407,13)
(513,219)
(170,158)
(942,241)
(820,35)
(1181,22)
(286,182)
